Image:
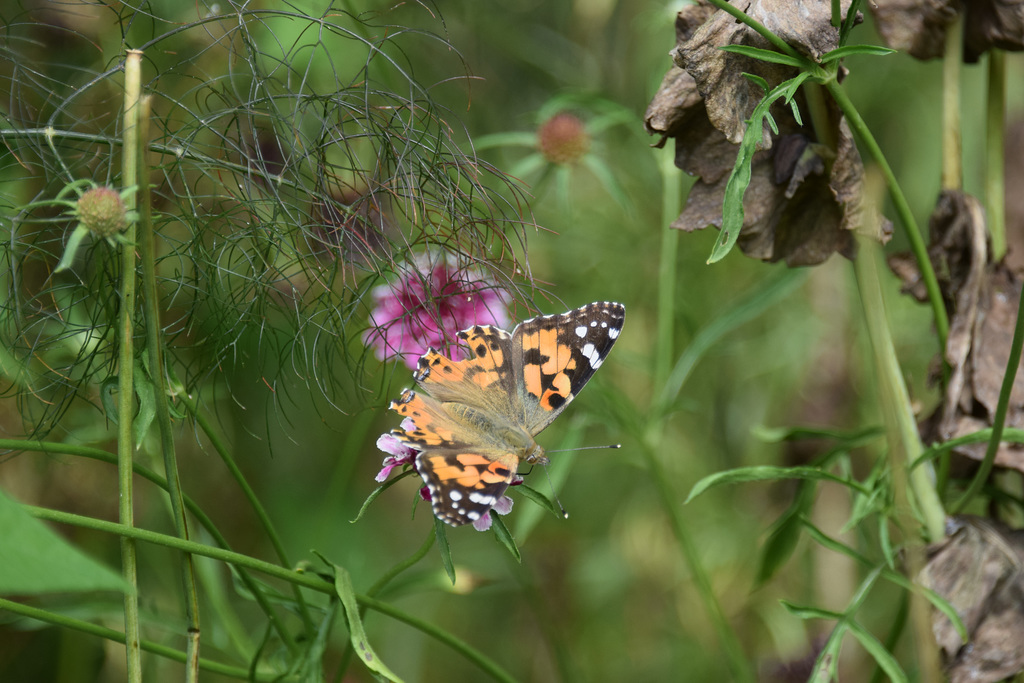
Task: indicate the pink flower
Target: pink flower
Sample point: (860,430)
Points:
(399,452)
(502,507)
(428,304)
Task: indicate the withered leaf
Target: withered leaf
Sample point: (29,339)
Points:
(978,570)
(982,300)
(804,199)
(919,26)
(915,26)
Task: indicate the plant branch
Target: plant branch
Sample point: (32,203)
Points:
(118,637)
(995,152)
(125,377)
(258,593)
(952,139)
(299,578)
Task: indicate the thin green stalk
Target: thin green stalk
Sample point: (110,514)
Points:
(952,140)
(154,349)
(898,415)
(118,637)
(204,521)
(250,495)
(995,152)
(310,581)
(904,448)
(125,378)
(670,202)
(902,207)
(999,419)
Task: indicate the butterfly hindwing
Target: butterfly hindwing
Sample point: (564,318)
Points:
(464,485)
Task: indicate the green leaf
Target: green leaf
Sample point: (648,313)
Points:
(940,603)
(357,636)
(784,534)
(377,491)
(739,179)
(763,55)
(767,473)
(877,650)
(108,388)
(847,50)
(145,390)
(504,536)
(852,439)
(446,551)
(804,612)
(36,560)
(539,498)
(74,241)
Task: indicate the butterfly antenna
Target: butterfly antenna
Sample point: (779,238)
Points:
(554,496)
(584,448)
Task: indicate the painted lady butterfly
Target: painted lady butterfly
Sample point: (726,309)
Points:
(475,419)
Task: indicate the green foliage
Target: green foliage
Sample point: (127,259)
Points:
(36,560)
(302,157)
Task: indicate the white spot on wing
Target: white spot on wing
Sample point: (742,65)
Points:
(581,331)
(614,333)
(481,498)
(590,352)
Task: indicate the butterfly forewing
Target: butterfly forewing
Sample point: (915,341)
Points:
(558,354)
(485,380)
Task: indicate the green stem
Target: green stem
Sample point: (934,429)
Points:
(903,211)
(952,140)
(995,152)
(670,202)
(298,578)
(999,420)
(118,637)
(898,415)
(154,349)
(125,378)
(258,592)
(250,495)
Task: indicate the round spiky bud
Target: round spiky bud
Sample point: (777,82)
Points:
(563,139)
(102,211)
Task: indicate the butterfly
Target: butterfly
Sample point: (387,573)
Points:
(474,421)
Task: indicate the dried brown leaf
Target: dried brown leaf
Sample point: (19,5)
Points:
(982,300)
(978,570)
(804,199)
(915,26)
(919,26)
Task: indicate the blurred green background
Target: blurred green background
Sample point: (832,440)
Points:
(605,595)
